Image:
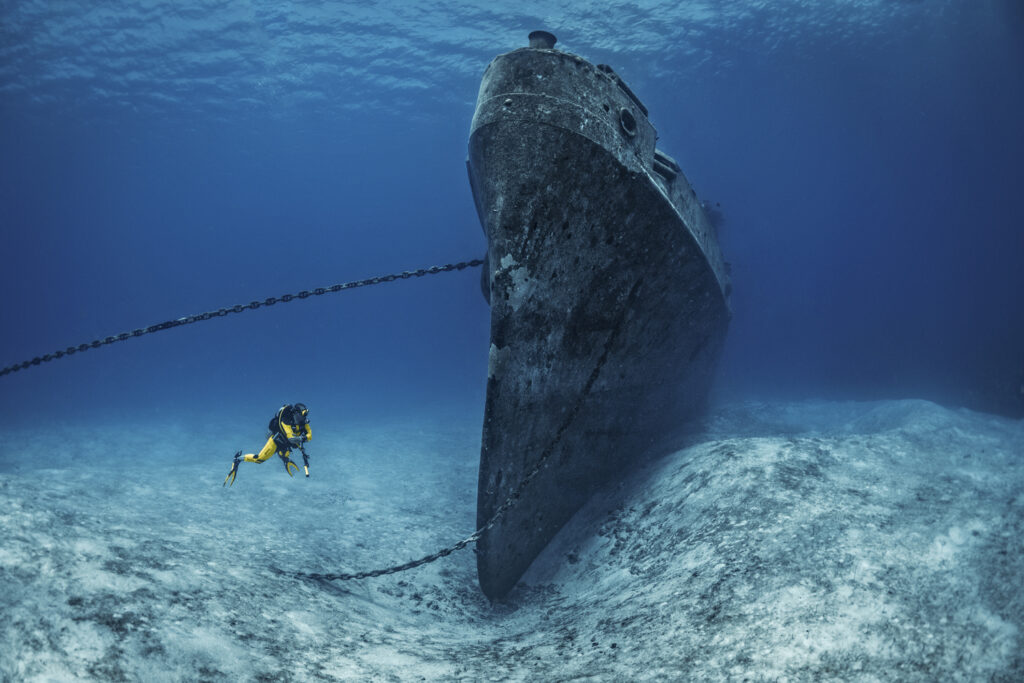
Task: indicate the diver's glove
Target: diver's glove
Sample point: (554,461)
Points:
(230,479)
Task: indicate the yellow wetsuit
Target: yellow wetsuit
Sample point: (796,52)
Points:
(288,429)
(282,442)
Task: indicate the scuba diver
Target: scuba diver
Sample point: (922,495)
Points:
(289,429)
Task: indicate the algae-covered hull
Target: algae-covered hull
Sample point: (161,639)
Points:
(607,289)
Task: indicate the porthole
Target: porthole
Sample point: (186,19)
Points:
(627,121)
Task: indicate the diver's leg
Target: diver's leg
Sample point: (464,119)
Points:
(268,450)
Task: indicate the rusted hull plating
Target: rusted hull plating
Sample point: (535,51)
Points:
(607,289)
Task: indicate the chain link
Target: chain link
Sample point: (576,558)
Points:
(514,496)
(238,308)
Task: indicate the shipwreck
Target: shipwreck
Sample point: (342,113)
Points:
(607,289)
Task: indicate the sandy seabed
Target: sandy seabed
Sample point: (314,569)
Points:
(789,541)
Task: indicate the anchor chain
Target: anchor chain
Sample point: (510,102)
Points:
(238,308)
(513,497)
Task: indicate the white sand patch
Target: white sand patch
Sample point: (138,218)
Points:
(792,542)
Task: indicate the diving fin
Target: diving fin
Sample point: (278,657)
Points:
(230,479)
(288,465)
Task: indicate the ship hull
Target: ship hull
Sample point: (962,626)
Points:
(607,293)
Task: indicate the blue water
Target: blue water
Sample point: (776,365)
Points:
(161,159)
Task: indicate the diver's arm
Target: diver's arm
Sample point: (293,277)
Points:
(289,433)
